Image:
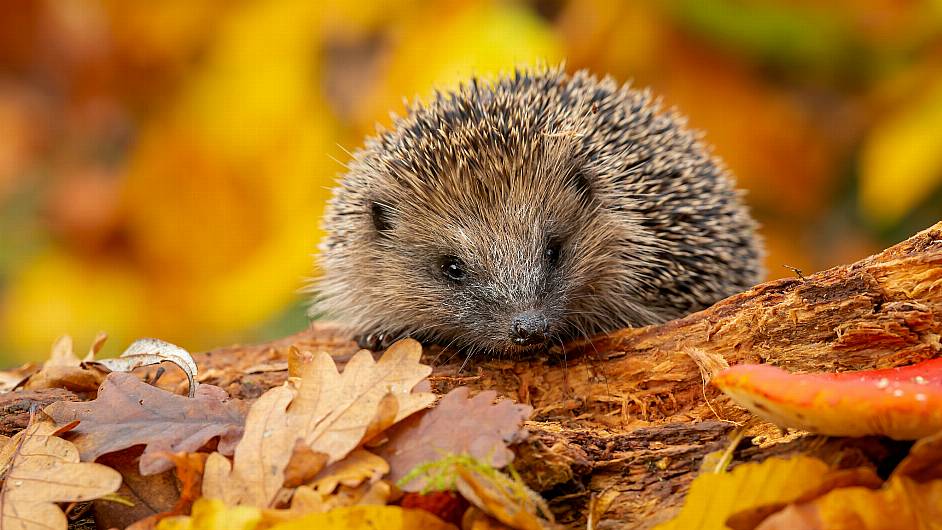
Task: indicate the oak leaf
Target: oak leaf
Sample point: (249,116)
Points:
(40,470)
(331,413)
(477,427)
(14,378)
(130,412)
(334,412)
(154,497)
(257,471)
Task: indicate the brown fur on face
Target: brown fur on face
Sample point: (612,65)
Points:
(560,196)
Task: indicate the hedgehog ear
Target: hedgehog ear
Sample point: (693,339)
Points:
(580,181)
(381,216)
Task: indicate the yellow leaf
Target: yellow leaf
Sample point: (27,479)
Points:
(366,518)
(902,504)
(713,497)
(41,470)
(213,514)
(902,159)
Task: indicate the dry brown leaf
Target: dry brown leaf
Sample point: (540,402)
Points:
(478,427)
(335,411)
(378,493)
(14,378)
(331,412)
(509,501)
(145,496)
(64,369)
(189,475)
(306,500)
(304,465)
(130,412)
(257,471)
(40,470)
(147,352)
(358,467)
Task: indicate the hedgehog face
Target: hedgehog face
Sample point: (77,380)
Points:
(501,268)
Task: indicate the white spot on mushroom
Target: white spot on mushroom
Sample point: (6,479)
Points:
(920,380)
(920,397)
(883,383)
(898,392)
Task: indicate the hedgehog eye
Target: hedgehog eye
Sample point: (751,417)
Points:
(552,252)
(380,216)
(453,268)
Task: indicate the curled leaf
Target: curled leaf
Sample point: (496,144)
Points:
(358,467)
(146,352)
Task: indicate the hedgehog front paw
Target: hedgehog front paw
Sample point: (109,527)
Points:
(375,341)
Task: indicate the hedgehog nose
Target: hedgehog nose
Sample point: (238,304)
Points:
(528,328)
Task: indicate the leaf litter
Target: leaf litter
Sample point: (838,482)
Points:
(325,448)
(40,470)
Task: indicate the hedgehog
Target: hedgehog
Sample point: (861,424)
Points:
(522,212)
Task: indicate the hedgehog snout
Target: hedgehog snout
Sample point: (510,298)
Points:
(529,327)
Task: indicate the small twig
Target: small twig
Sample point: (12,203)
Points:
(727,457)
(157,375)
(797,272)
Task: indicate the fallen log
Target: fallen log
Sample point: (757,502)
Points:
(631,412)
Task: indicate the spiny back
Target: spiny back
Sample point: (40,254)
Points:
(536,208)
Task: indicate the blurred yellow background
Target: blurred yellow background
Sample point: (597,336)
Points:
(163,165)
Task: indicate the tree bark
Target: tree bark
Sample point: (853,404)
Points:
(632,413)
